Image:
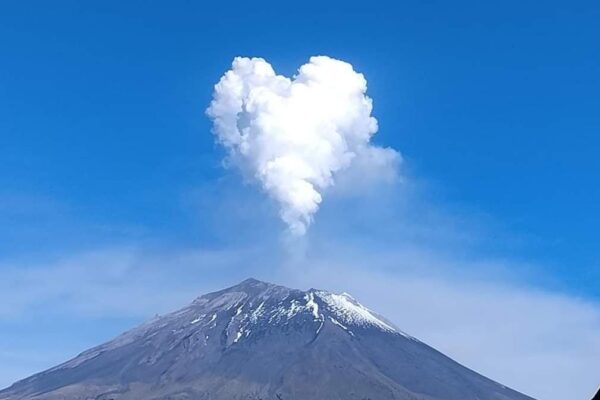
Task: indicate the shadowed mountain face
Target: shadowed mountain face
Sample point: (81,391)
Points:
(261,341)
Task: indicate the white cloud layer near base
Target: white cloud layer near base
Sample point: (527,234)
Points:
(293,136)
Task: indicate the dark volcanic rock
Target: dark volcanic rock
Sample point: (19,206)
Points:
(261,341)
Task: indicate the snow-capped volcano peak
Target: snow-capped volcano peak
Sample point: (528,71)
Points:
(256,340)
(259,305)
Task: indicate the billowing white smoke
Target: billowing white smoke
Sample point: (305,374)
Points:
(294,135)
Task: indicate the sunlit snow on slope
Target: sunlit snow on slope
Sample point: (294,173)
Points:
(352,313)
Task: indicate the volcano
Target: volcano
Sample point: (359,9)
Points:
(259,341)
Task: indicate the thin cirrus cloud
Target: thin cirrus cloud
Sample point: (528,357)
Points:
(293,136)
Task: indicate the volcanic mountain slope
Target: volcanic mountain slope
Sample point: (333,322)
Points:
(258,341)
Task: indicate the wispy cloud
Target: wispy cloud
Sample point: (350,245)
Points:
(113,282)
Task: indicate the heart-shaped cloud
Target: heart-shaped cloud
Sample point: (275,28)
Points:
(294,135)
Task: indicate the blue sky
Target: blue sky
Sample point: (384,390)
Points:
(110,177)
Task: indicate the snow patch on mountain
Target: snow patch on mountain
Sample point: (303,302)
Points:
(351,312)
(312,305)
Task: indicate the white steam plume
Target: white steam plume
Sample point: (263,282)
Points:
(294,135)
